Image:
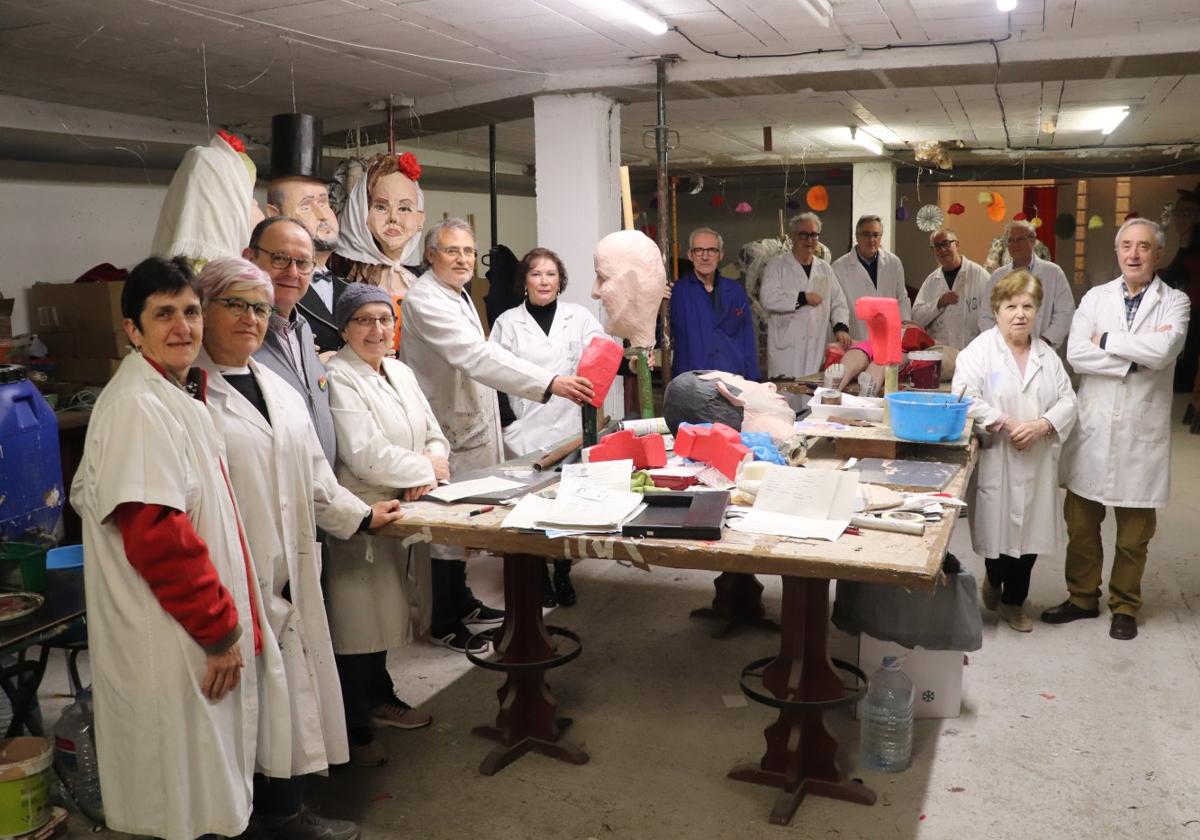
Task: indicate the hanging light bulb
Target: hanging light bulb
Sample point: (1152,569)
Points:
(1006,5)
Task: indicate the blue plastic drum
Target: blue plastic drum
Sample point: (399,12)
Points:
(31,490)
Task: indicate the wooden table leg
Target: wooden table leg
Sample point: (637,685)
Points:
(526,720)
(737,602)
(801,751)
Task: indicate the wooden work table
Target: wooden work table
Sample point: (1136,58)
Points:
(800,754)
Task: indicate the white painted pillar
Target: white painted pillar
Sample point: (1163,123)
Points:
(874,194)
(577,157)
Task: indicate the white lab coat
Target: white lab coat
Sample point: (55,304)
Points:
(573,328)
(460,371)
(957,324)
(285,488)
(1015,508)
(796,338)
(384,426)
(172,764)
(1121,453)
(1058,304)
(856,283)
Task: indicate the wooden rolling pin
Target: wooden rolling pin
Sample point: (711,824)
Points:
(545,462)
(915,528)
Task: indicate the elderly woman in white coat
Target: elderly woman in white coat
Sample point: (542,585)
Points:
(285,489)
(551,334)
(1024,403)
(389,445)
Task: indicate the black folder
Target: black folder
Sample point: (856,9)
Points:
(681,516)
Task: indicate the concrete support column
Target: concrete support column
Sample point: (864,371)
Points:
(577,154)
(875,195)
(577,157)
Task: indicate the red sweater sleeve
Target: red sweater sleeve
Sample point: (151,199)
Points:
(162,544)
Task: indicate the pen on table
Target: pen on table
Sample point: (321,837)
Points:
(484,509)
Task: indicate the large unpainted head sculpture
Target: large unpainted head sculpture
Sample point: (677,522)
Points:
(630,279)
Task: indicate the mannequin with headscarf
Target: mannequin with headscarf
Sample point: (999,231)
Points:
(381,226)
(209,209)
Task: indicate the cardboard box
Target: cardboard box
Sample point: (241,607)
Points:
(936,674)
(75,307)
(108,344)
(91,371)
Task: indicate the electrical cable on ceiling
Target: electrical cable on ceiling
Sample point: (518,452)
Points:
(999,98)
(828,50)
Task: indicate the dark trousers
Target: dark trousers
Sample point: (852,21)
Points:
(366,684)
(1010,575)
(452,598)
(278,797)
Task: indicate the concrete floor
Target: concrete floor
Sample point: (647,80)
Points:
(1064,732)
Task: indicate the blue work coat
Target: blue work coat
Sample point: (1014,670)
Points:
(705,337)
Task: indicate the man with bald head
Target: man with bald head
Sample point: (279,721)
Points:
(1058,305)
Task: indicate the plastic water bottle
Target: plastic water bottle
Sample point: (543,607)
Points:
(75,756)
(887,719)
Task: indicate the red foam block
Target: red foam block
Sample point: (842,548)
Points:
(882,317)
(598,365)
(647,451)
(718,445)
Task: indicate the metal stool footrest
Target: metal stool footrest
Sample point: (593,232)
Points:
(849,699)
(519,667)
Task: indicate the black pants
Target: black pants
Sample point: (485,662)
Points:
(278,797)
(1011,576)
(452,598)
(366,684)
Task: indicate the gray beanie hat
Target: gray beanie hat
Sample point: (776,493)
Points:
(356,296)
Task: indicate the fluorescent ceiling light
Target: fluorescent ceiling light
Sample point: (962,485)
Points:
(1107,119)
(1006,5)
(819,9)
(631,13)
(860,138)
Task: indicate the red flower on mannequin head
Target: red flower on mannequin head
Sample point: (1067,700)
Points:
(233,140)
(407,164)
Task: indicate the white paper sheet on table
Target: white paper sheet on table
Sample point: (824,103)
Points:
(474,487)
(527,512)
(802,503)
(610,475)
(589,507)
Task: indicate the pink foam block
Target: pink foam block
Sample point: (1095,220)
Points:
(647,452)
(598,365)
(717,445)
(882,317)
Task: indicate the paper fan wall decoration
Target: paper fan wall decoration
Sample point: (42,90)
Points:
(930,218)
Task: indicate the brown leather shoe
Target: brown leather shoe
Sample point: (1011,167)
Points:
(1067,612)
(1124,627)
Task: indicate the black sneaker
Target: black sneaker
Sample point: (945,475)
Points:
(456,639)
(482,614)
(564,590)
(308,826)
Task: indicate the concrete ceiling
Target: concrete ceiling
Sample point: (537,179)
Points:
(1004,86)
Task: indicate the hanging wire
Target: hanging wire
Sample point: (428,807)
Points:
(204,66)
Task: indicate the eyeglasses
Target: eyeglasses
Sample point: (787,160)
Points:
(281,261)
(706,252)
(368,321)
(944,244)
(456,252)
(869,234)
(240,306)
(1013,239)
(804,234)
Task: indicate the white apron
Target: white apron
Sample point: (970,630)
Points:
(376,586)
(1058,304)
(285,488)
(172,764)
(1121,453)
(539,424)
(796,338)
(957,324)
(1015,510)
(856,283)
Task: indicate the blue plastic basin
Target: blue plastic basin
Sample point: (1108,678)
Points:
(926,417)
